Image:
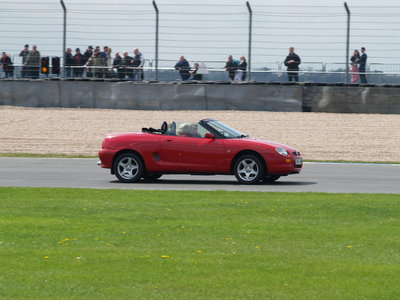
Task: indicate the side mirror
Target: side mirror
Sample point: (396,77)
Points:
(209,136)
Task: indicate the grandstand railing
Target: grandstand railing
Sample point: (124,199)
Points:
(377,73)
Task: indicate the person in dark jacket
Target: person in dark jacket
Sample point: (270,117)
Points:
(183,67)
(32,63)
(231,67)
(242,69)
(7,65)
(127,69)
(362,63)
(194,72)
(86,56)
(69,62)
(24,54)
(117,63)
(79,61)
(137,64)
(292,63)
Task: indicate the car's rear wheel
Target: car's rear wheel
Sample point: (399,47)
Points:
(271,178)
(249,169)
(151,176)
(128,167)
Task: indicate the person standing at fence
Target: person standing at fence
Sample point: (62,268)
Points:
(96,64)
(195,72)
(241,70)
(362,65)
(183,67)
(117,63)
(127,69)
(292,63)
(231,67)
(79,61)
(137,64)
(69,62)
(7,65)
(86,56)
(354,66)
(109,63)
(32,63)
(24,54)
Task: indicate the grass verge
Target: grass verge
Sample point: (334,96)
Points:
(116,244)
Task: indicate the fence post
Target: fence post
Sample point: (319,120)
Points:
(347,43)
(157,24)
(250,34)
(64,35)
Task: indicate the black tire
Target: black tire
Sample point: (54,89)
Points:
(128,167)
(151,176)
(249,169)
(271,178)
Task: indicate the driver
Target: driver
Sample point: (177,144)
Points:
(189,130)
(193,130)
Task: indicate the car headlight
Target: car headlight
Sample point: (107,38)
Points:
(281,151)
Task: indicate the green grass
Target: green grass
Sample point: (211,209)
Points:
(117,244)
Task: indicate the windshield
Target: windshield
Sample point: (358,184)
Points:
(225,130)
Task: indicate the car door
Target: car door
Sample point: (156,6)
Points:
(193,154)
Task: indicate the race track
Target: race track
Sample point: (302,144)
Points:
(315,177)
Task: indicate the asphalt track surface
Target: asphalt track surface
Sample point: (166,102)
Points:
(315,177)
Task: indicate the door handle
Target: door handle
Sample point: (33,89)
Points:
(168,140)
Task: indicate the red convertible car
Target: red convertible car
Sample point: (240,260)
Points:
(205,147)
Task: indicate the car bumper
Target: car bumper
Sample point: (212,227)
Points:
(286,165)
(106,157)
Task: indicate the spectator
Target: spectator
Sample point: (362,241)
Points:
(96,64)
(354,67)
(241,70)
(24,54)
(292,63)
(79,61)
(32,63)
(231,67)
(137,64)
(354,72)
(105,51)
(86,56)
(362,65)
(7,65)
(195,72)
(69,62)
(183,67)
(117,63)
(127,65)
(109,62)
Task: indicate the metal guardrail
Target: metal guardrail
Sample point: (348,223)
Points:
(261,71)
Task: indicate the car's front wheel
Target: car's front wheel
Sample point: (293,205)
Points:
(249,169)
(128,167)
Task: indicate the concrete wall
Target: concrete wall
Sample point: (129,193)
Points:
(352,99)
(200,96)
